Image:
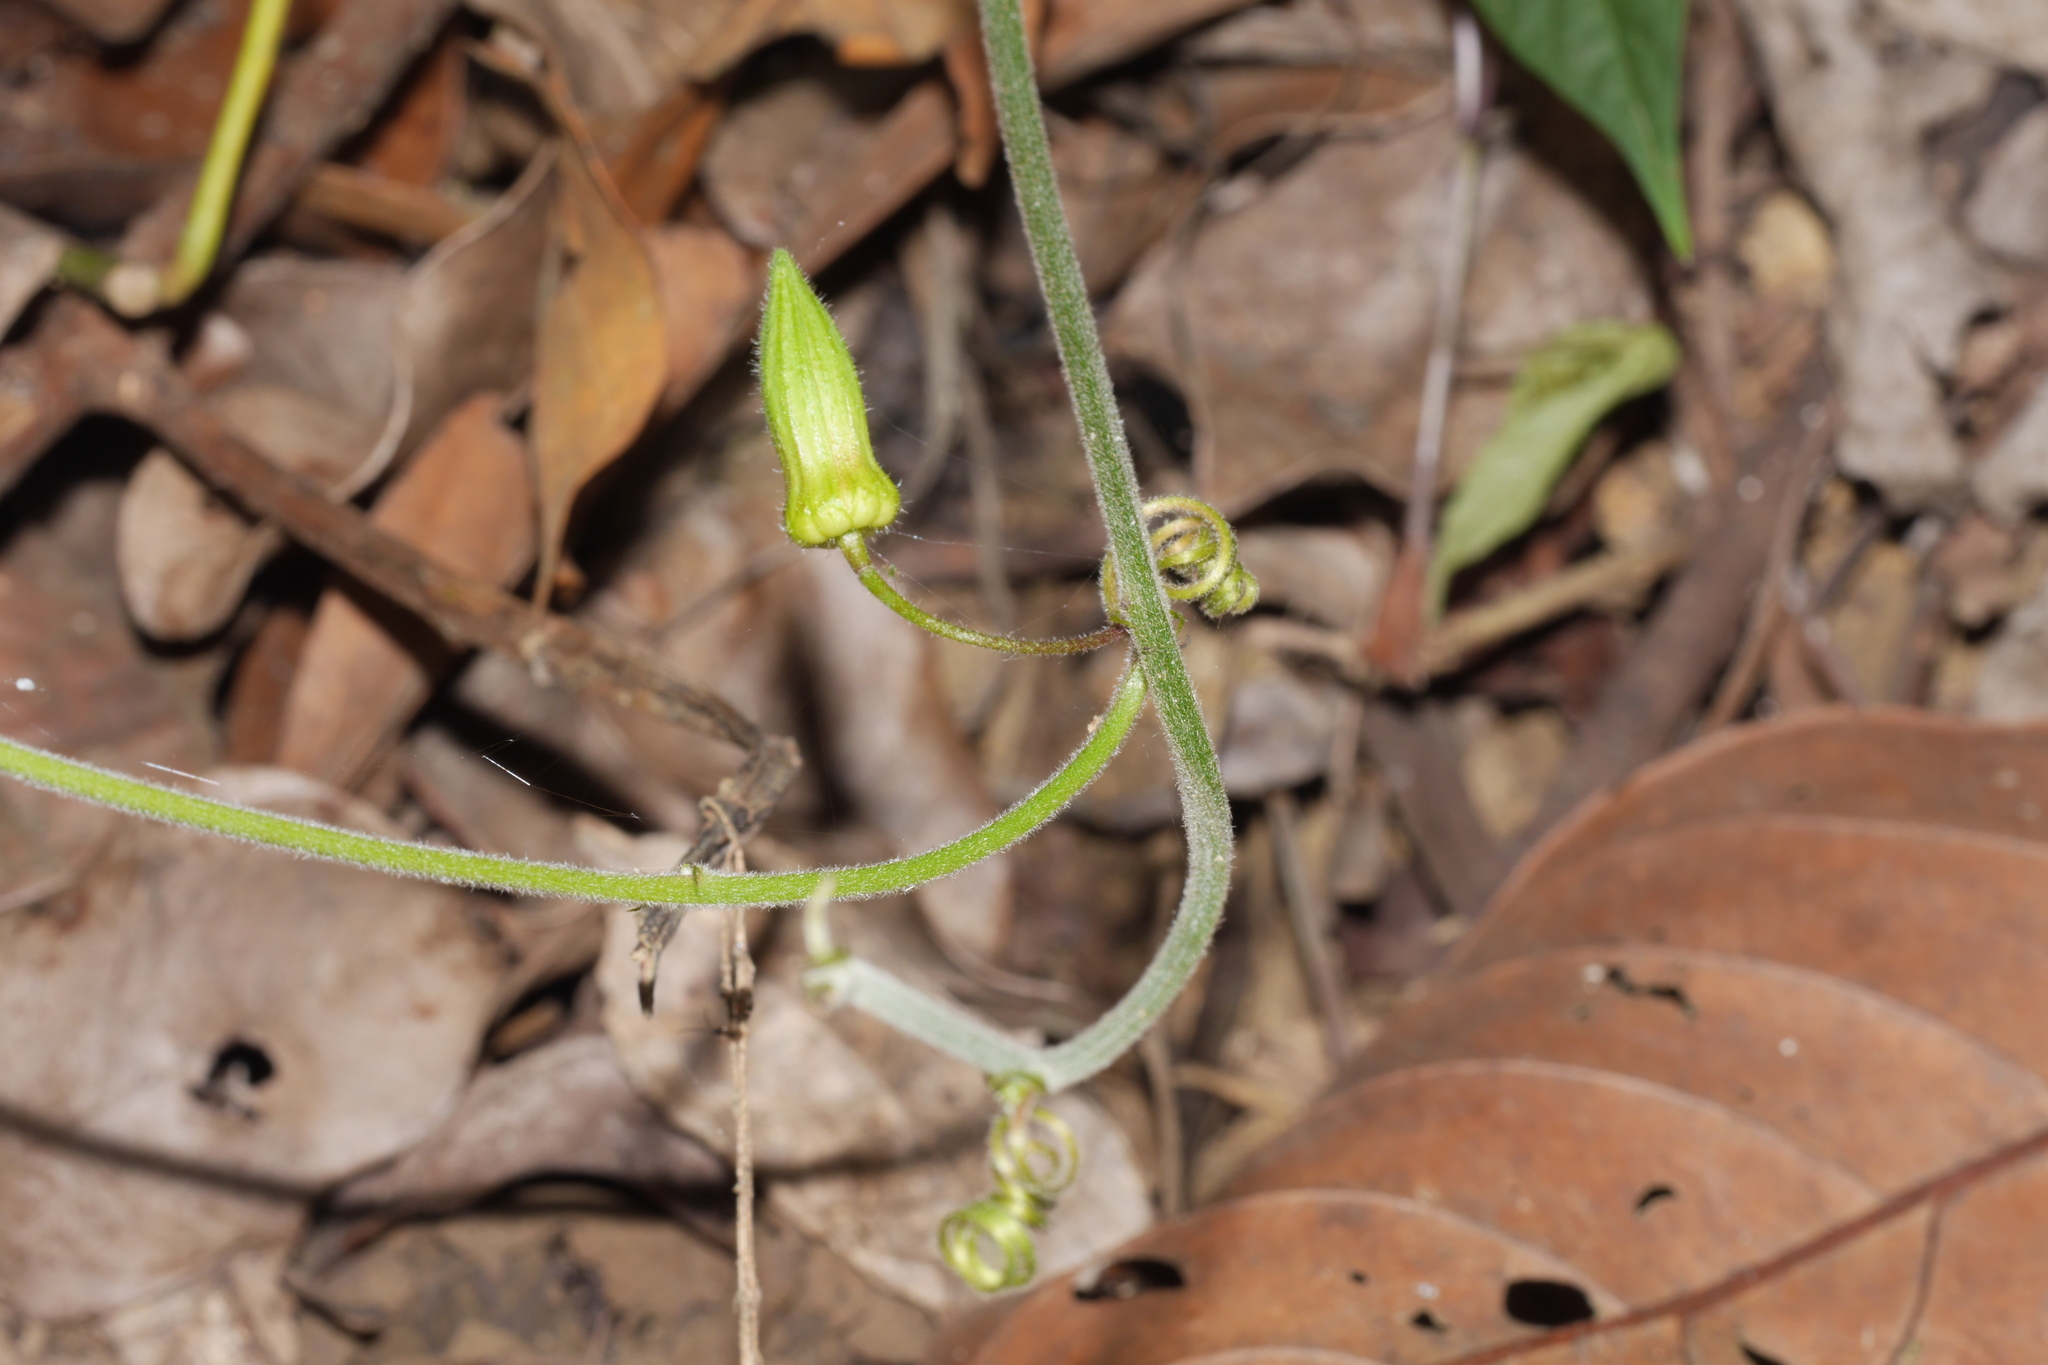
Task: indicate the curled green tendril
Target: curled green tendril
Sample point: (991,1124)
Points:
(1034,1158)
(1197,556)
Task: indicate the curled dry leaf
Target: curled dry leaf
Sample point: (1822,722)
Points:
(467,501)
(213,1033)
(1742,1051)
(600,359)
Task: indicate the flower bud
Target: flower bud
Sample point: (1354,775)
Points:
(817,417)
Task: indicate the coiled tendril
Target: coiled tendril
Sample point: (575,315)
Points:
(1033,1157)
(1197,554)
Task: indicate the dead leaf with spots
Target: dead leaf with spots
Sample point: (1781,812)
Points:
(602,357)
(1740,1052)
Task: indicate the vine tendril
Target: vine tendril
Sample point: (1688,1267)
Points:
(1033,1157)
(1197,554)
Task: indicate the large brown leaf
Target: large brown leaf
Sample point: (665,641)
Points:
(1744,1064)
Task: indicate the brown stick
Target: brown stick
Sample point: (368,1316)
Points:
(111,371)
(1701,616)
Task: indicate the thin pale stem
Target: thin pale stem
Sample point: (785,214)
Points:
(1453,268)
(690,886)
(1143,605)
(855,548)
(199,243)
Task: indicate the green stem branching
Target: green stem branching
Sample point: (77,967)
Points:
(855,547)
(689,886)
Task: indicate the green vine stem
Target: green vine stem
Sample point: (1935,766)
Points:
(1139,602)
(1142,601)
(199,243)
(690,886)
(854,546)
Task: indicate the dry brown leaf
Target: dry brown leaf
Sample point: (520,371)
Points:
(319,390)
(1673,1071)
(1082,36)
(600,359)
(560,1110)
(224,1030)
(522,1285)
(892,743)
(1322,574)
(797,167)
(186,556)
(694,40)
(709,287)
(466,322)
(2008,208)
(29,252)
(609,74)
(466,500)
(1305,312)
(89,138)
(415,139)
(74,677)
(2005,31)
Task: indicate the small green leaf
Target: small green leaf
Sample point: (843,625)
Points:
(1560,395)
(1620,63)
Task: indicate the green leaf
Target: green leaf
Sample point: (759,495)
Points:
(1620,63)
(1560,395)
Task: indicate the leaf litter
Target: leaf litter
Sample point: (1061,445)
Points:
(258,1110)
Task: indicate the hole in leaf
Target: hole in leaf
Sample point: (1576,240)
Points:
(1427,1321)
(1756,1357)
(1654,1194)
(240,1061)
(1359,1277)
(1128,1279)
(1619,979)
(238,1068)
(1546,1303)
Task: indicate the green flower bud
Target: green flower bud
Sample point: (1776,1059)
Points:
(817,417)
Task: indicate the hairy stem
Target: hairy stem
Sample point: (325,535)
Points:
(855,548)
(1143,605)
(690,886)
